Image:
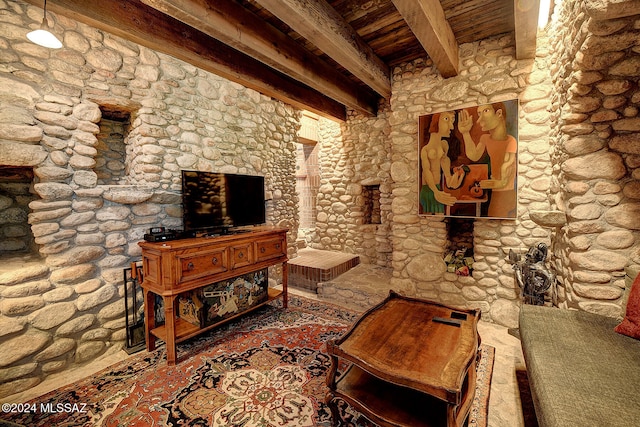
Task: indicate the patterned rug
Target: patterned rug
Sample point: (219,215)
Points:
(266,369)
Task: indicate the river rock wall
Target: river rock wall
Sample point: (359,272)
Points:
(577,167)
(595,136)
(353,155)
(63,305)
(385,150)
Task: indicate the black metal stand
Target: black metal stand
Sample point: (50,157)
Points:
(134,318)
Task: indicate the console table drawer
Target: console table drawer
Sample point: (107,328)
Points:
(268,249)
(241,255)
(194,266)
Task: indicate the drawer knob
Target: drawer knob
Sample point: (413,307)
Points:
(190,266)
(214,261)
(262,250)
(241,255)
(277,245)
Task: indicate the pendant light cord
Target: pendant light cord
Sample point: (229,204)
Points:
(45,23)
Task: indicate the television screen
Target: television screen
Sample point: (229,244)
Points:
(218,201)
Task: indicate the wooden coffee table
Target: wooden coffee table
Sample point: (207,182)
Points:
(403,368)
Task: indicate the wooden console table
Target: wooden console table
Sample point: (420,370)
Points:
(404,368)
(177,266)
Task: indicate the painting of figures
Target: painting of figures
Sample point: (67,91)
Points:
(468,160)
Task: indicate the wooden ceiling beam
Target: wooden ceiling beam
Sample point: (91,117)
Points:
(229,22)
(427,20)
(526,27)
(320,24)
(144,25)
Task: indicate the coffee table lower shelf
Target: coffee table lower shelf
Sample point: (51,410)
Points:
(389,404)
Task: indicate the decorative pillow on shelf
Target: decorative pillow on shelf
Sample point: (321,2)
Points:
(630,325)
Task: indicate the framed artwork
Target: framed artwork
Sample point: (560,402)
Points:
(468,161)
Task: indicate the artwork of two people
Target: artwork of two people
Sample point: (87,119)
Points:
(468,161)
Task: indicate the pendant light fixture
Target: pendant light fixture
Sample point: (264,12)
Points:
(42,36)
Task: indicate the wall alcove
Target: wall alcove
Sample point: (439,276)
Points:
(459,251)
(16,238)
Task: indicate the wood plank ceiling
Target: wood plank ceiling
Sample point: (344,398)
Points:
(321,55)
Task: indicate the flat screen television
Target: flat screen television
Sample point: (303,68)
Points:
(215,202)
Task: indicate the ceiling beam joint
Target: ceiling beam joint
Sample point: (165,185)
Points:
(320,24)
(427,20)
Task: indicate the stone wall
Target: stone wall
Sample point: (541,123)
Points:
(385,150)
(488,73)
(578,161)
(352,155)
(596,150)
(67,308)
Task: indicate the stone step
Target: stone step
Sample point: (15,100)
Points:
(361,287)
(312,266)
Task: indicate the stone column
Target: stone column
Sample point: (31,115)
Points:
(595,133)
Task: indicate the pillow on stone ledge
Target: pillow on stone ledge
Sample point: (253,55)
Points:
(630,325)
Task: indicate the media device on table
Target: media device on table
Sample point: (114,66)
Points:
(160,234)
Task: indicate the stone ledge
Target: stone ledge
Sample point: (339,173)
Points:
(612,9)
(548,218)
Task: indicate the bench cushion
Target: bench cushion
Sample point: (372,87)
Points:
(580,371)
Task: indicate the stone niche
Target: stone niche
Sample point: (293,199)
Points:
(459,245)
(371,196)
(16,193)
(460,234)
(111,158)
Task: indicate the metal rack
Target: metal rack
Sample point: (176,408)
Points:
(134,313)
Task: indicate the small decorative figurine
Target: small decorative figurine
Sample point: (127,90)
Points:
(533,276)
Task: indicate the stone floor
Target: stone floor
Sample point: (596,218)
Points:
(505,408)
(361,287)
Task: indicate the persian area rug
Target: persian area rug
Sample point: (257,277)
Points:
(266,369)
